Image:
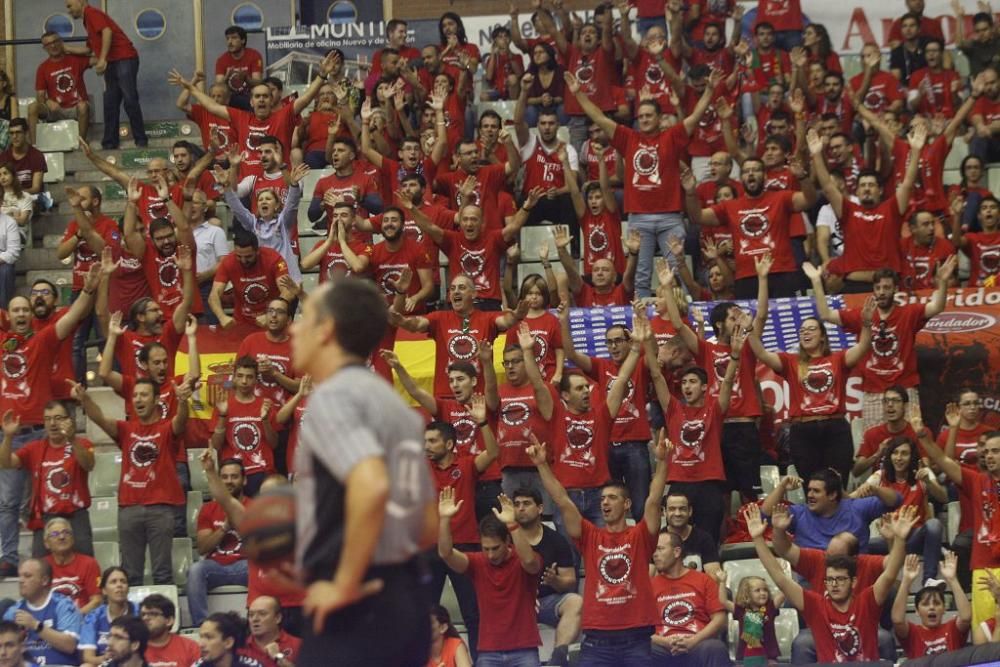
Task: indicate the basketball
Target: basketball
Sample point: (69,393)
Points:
(268,526)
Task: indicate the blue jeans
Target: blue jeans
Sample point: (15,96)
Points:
(595,653)
(654,231)
(524,657)
(121,86)
(7,283)
(12,489)
(709,652)
(80,338)
(588,501)
(315,159)
(207,574)
(515,478)
(926,541)
(629,462)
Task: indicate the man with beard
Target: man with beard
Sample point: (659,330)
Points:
(618,604)
(694,541)
(238,67)
(268,174)
(460,332)
(269,643)
(221,561)
(62,460)
(349,183)
(45,312)
(165,649)
(127,641)
(844,623)
(25,387)
(158,252)
(266,117)
(149,489)
(86,235)
(257,274)
(272,348)
(147,322)
(893,357)
(469,438)
(689,608)
(412,160)
(490,180)
(761,223)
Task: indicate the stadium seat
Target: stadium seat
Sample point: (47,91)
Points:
(786,627)
(137,594)
(190,633)
(198,480)
(797,496)
(104,519)
(737,569)
(954,517)
(994,179)
(959,149)
(56,168)
(195,499)
(450,602)
(308,186)
(769,478)
(103,479)
(532,238)
(58,137)
(310,281)
(107,554)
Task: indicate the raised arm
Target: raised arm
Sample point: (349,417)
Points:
(175,78)
(105,369)
(777,495)
(916,138)
(330,62)
(666,301)
(815,277)
(447,509)
(651,513)
(93,411)
(829,188)
(581,361)
(783,545)
(179,422)
(102,165)
(942,278)
(423,398)
(530,561)
(83,305)
(901,523)
(692,206)
(947,465)
(543,396)
(419,219)
(572,519)
(755,525)
(858,351)
(911,570)
(561,239)
(691,121)
(589,108)
(726,388)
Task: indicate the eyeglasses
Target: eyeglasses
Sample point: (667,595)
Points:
(42,292)
(837,580)
(512,362)
(55,534)
(616,341)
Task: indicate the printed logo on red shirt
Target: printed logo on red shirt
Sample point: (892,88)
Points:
(145,452)
(579,436)
(848,640)
(875,99)
(246,436)
(463,347)
(15,365)
(754,223)
(168,273)
(254,293)
(465,431)
(646,163)
(597,240)
(57,479)
(989,258)
(885,342)
(678,613)
(515,413)
(472,263)
(692,433)
(819,380)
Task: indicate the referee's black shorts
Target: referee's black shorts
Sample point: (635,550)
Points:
(391,628)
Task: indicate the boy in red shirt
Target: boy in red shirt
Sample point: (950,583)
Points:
(982,248)
(933,634)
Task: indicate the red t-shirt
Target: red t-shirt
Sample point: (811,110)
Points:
(457,339)
(920,263)
(25,167)
(938,93)
(602,235)
(685,605)
(258,345)
(589,297)
(930,641)
(490,180)
(928,191)
(812,568)
(912,494)
(462,476)
(164,278)
(479,259)
(62,367)
(876,435)
(62,487)
(848,636)
(548,338)
(782,14)
(25,385)
(581,443)
(712,11)
(211,517)
(387,265)
(759,225)
(840,107)
(392,172)
(983,495)
(238,72)
(352,188)
(518,418)
(333,264)
(987,108)
(245,439)
(871,236)
(542,167)
(821,391)
(984,256)
(79,579)
(631,422)
(617,593)
(893,356)
(643,71)
(288,644)
(84,257)
(883,91)
(250,129)
(213,126)
(130,343)
(148,475)
(128,282)
(468,435)
(95,21)
(178,652)
(255,287)
(652,181)
(506,597)
(697,434)
(770,67)
(744,400)
(965,442)
(62,80)
(596,73)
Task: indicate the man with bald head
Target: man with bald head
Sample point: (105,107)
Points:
(50,620)
(720,170)
(268,643)
(26,359)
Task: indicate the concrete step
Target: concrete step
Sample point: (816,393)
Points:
(40,259)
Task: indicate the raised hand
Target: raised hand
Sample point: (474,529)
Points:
(953,415)
(560,236)
(815,142)
(664,273)
(486,352)
(191,326)
(391,359)
(571,82)
(917,137)
(537,451)
(755,523)
(723,108)
(633,241)
(506,511)
(873,59)
(265,408)
(688,181)
(525,338)
(947,269)
(11,423)
(533,196)
(868,311)
(664,448)
(948,568)
(676,246)
(812,273)
(184,259)
(781,518)
(477,408)
(903,520)
(447,507)
(911,567)
(298,173)
(762,264)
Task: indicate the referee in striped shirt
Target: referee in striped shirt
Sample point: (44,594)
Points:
(365,501)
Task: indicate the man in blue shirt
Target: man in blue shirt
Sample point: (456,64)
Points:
(827,512)
(50,619)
